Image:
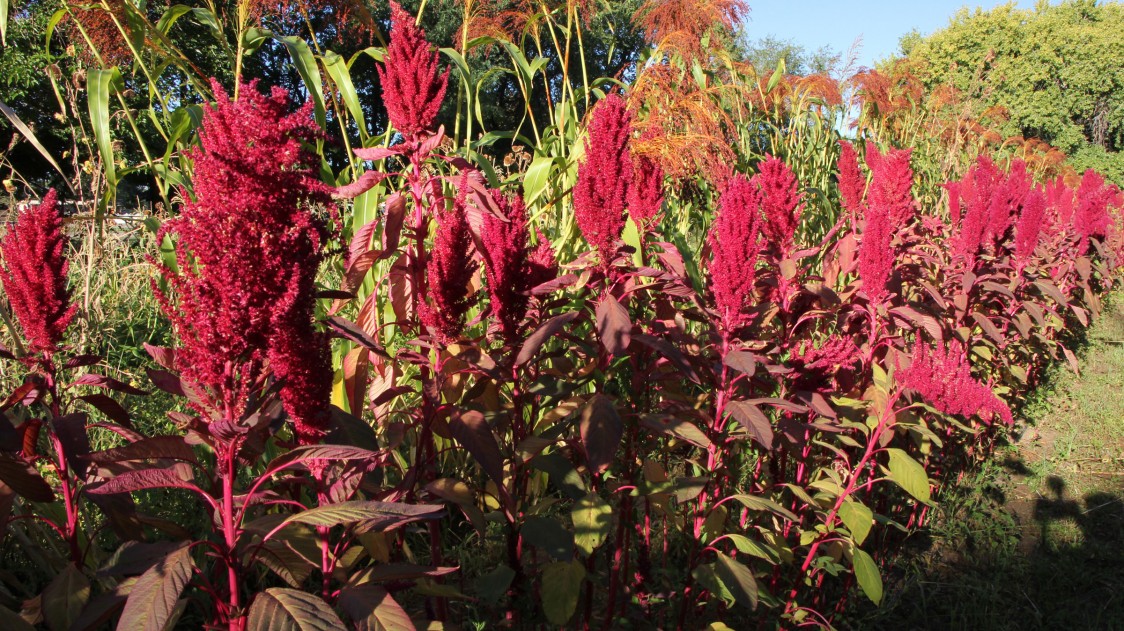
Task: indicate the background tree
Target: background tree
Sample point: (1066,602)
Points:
(1056,70)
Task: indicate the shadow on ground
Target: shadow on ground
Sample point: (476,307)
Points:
(1054,562)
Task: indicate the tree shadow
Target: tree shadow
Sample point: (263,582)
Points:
(1055,561)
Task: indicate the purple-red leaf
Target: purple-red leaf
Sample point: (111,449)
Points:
(546,331)
(395,216)
(601,430)
(152,602)
(366,182)
(167,382)
(613,325)
(163,356)
(109,407)
(473,433)
(348,330)
(101,381)
(754,421)
(170,447)
(371,608)
(22,478)
(80,361)
(143,479)
(282,608)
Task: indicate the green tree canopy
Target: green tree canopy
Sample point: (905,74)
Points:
(1058,71)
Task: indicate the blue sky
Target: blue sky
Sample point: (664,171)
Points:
(837,23)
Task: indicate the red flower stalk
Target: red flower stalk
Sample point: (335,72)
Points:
(511,267)
(645,195)
(249,245)
(33,272)
(1091,217)
(943,378)
(604,178)
(1030,226)
(891,184)
(450,270)
(876,253)
(852,183)
(735,243)
(412,90)
(1008,197)
(975,194)
(780,202)
(303,358)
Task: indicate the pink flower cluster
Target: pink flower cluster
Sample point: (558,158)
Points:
(449,270)
(1091,217)
(604,178)
(735,244)
(942,376)
(512,268)
(645,195)
(889,205)
(248,249)
(852,182)
(780,204)
(1029,227)
(412,89)
(33,272)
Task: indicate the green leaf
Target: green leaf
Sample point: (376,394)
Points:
(4,22)
(65,597)
(909,474)
(549,536)
(746,545)
(536,178)
(30,136)
(857,518)
(13,621)
(99,84)
(866,572)
(738,579)
(153,600)
(562,583)
(305,63)
(341,76)
(492,585)
(593,518)
(284,609)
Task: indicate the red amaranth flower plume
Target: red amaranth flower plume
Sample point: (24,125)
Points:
(248,245)
(1091,217)
(852,183)
(943,377)
(645,195)
(1030,226)
(604,177)
(818,367)
(975,192)
(511,267)
(412,90)
(450,269)
(876,254)
(33,271)
(735,244)
(891,184)
(1007,198)
(302,357)
(780,203)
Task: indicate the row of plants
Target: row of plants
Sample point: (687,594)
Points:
(433,390)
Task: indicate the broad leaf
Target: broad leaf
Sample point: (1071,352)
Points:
(153,599)
(563,581)
(601,430)
(473,433)
(22,478)
(158,447)
(909,474)
(549,536)
(857,518)
(284,609)
(372,608)
(738,579)
(387,513)
(65,597)
(548,330)
(593,519)
(754,421)
(866,572)
(614,328)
